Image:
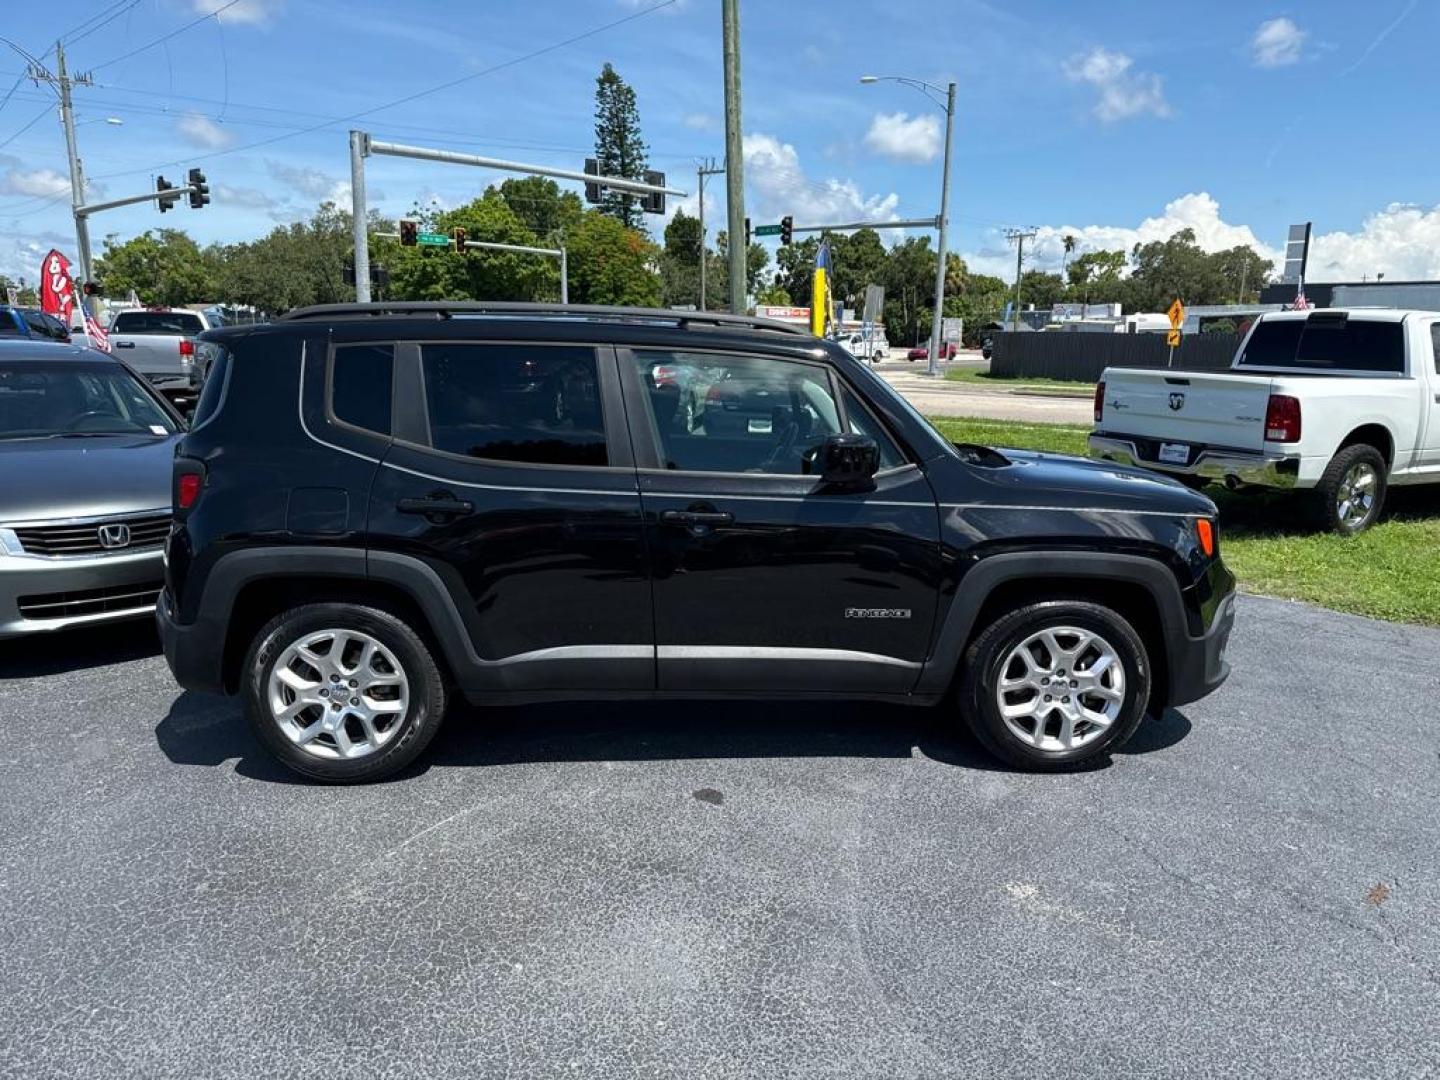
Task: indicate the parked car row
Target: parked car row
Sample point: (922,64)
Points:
(1344,403)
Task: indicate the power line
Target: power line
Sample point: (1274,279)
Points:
(165,37)
(35,120)
(84,29)
(512,62)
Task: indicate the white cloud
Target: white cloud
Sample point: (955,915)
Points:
(200,130)
(1123,93)
(253,12)
(1401,241)
(779,186)
(315,184)
(34,182)
(702,121)
(1277,43)
(905,138)
(244,198)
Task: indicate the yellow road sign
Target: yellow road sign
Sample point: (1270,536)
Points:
(1172,338)
(1177,315)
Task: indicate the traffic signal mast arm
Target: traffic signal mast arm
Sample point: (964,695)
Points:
(131,200)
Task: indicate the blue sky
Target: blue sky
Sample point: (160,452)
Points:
(1116,121)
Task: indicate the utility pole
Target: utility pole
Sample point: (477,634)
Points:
(704,169)
(359,214)
(1019,236)
(63,81)
(734,157)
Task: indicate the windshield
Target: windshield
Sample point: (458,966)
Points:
(157,322)
(48,399)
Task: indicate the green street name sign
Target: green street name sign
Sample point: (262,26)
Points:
(432,239)
(767,230)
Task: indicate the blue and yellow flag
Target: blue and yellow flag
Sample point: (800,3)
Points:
(820,290)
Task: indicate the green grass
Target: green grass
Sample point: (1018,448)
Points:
(998,382)
(1275,546)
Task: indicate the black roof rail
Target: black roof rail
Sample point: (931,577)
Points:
(442,309)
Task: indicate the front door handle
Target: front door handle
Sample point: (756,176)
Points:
(124,344)
(436,505)
(696,517)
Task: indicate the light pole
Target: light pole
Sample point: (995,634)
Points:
(931,91)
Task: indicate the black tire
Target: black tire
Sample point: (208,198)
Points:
(988,653)
(412,732)
(1331,490)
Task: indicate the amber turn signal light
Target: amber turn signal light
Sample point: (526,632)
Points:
(1205,530)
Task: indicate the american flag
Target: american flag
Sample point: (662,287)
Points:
(98,337)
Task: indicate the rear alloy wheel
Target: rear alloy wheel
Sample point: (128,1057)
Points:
(1352,491)
(1055,684)
(341,692)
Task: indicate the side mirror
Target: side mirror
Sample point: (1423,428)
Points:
(849,460)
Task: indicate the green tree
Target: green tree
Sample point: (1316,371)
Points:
(718,271)
(162,266)
(774,294)
(1243,272)
(1095,276)
(610,264)
(1041,289)
(295,265)
(680,262)
(619,149)
(445,274)
(541,206)
(1166,269)
(909,280)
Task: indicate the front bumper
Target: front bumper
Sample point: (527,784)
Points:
(38,594)
(1210,463)
(1198,666)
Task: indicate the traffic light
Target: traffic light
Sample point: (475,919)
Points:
(166,201)
(199,189)
(653,202)
(787,229)
(459,234)
(408,231)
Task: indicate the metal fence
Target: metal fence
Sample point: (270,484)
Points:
(1080,357)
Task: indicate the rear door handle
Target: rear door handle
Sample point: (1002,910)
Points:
(434,506)
(124,344)
(696,517)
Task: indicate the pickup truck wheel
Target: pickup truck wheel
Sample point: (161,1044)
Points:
(342,693)
(1352,490)
(1055,684)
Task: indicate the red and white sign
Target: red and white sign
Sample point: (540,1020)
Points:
(57,291)
(775,311)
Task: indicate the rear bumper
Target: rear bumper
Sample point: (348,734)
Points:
(1276,470)
(1199,666)
(194,653)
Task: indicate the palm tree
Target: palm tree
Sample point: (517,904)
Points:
(1069,242)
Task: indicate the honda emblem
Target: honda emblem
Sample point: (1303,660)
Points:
(114,536)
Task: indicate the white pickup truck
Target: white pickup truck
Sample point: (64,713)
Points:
(1344,402)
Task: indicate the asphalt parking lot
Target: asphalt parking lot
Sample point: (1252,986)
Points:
(700,891)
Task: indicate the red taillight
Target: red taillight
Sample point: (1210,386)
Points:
(1099,401)
(187,490)
(187,347)
(1282,419)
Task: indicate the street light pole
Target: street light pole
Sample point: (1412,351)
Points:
(942,220)
(936,331)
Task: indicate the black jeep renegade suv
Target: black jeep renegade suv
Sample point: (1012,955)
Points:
(379,505)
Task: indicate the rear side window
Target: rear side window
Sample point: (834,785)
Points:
(157,322)
(360,386)
(1328,341)
(1435,345)
(533,404)
(9,324)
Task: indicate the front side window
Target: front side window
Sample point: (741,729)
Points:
(1435,345)
(531,404)
(43,399)
(861,422)
(360,386)
(737,414)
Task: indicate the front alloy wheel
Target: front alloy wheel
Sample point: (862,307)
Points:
(1055,683)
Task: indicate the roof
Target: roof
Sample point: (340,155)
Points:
(1369,314)
(576,312)
(24,348)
